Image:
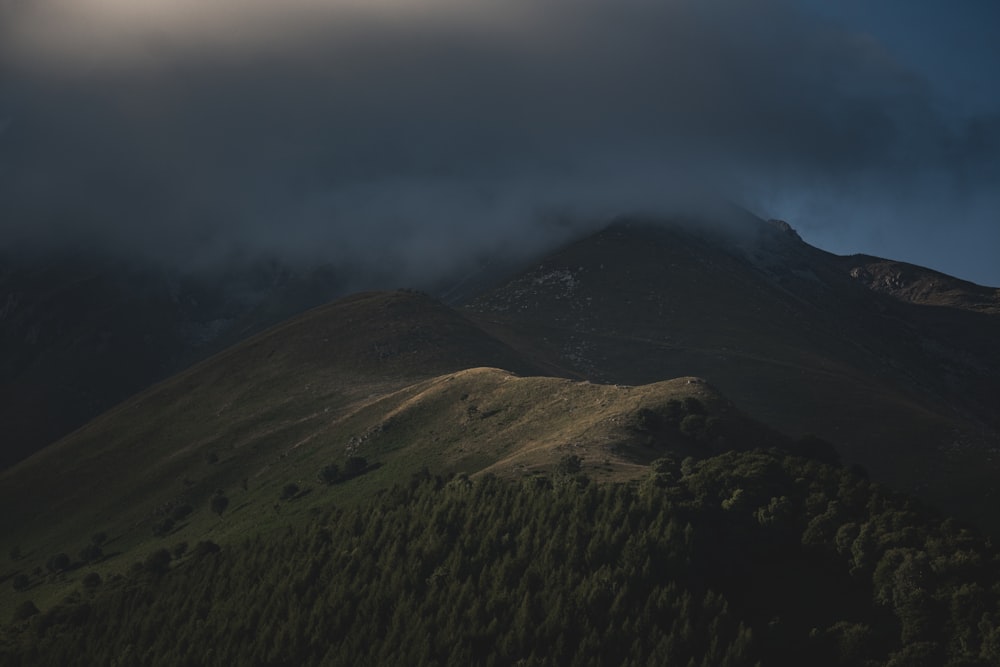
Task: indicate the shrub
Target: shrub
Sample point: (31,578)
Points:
(206,547)
(329,474)
(163,527)
(289,491)
(219,503)
(181,512)
(21,582)
(569,465)
(693,406)
(58,563)
(649,421)
(693,426)
(15,553)
(90,553)
(158,562)
(354,466)
(92,580)
(665,464)
(179,549)
(25,610)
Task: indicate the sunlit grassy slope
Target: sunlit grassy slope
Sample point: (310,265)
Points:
(395,378)
(524,378)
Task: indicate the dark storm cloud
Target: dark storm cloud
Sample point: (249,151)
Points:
(392,134)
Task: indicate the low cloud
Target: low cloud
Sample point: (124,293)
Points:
(400,134)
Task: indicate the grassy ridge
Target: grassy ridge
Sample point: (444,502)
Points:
(249,429)
(904,386)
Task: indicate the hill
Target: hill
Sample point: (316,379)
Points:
(244,409)
(394,379)
(915,284)
(619,360)
(81,332)
(905,387)
(745,558)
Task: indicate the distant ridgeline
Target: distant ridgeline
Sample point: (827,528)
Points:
(744,558)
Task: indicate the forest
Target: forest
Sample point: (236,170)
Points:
(745,558)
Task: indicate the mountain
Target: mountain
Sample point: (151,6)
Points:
(915,284)
(797,338)
(80,332)
(373,375)
(334,406)
(655,412)
(903,382)
(743,558)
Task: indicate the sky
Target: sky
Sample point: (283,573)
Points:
(403,135)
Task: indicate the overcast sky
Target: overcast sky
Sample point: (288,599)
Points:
(403,133)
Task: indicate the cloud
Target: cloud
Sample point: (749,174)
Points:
(400,133)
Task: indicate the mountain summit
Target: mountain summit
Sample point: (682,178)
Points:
(904,382)
(704,383)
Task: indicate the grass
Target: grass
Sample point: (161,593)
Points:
(406,382)
(474,421)
(361,377)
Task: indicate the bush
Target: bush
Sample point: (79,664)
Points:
(693,406)
(219,503)
(329,474)
(163,527)
(15,553)
(649,421)
(21,582)
(25,610)
(206,547)
(355,465)
(158,562)
(289,491)
(693,426)
(91,553)
(181,512)
(665,464)
(58,563)
(98,539)
(179,549)
(92,580)
(569,465)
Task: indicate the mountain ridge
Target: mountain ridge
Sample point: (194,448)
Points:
(642,342)
(780,327)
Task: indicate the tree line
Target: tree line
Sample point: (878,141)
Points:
(745,558)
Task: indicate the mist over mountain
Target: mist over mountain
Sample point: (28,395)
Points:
(394,137)
(462,332)
(80,332)
(690,409)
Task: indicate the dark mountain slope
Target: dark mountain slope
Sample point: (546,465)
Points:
(906,389)
(81,332)
(347,399)
(232,420)
(915,284)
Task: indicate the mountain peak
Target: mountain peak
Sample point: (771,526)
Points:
(784,228)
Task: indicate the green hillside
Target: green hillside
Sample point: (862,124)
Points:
(332,406)
(388,480)
(751,558)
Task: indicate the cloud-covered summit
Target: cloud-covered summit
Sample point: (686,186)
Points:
(403,134)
